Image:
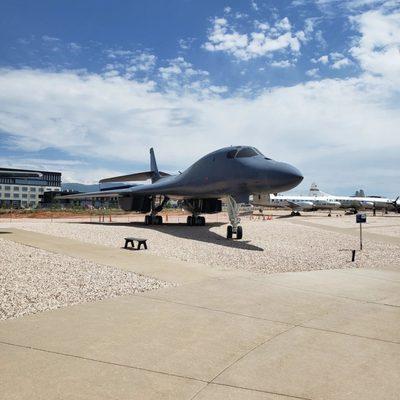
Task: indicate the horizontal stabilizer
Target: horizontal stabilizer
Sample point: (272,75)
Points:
(140,176)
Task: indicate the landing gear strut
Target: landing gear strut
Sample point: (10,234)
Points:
(195,220)
(233,214)
(153,218)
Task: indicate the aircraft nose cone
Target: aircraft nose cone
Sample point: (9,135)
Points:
(292,175)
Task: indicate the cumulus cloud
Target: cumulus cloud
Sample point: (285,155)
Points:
(266,40)
(378,48)
(323,60)
(313,73)
(129,63)
(335,59)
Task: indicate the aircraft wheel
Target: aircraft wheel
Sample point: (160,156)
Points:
(159,220)
(292,213)
(199,221)
(189,220)
(229,232)
(239,232)
(147,219)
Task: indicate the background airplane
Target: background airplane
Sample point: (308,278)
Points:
(230,174)
(317,200)
(295,203)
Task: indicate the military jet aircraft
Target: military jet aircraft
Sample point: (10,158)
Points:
(230,174)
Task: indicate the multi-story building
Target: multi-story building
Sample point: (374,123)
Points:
(18,191)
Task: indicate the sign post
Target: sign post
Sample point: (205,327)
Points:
(361,219)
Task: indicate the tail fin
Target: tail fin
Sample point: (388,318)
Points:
(155,174)
(314,191)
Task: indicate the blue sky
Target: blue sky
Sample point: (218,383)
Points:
(88,87)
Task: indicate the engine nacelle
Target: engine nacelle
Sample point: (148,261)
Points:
(203,206)
(135,203)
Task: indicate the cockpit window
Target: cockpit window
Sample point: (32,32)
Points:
(231,154)
(243,152)
(246,152)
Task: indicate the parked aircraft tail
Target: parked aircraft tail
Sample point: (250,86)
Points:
(314,191)
(154,174)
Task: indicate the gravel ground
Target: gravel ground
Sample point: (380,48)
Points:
(268,246)
(33,280)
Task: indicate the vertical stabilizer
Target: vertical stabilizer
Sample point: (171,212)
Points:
(155,174)
(314,191)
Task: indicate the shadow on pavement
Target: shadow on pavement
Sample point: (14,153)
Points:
(198,233)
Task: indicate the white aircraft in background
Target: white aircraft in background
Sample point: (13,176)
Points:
(317,200)
(360,201)
(296,203)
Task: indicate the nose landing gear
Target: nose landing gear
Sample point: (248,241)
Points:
(233,214)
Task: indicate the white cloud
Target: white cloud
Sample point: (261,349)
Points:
(378,48)
(344,62)
(313,73)
(254,5)
(281,64)
(186,44)
(129,63)
(311,125)
(179,67)
(264,41)
(323,60)
(337,60)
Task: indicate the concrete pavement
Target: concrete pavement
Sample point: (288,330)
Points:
(218,335)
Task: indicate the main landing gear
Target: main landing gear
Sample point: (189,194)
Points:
(195,220)
(156,206)
(153,219)
(233,214)
(295,214)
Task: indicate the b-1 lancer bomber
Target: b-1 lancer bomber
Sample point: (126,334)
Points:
(229,174)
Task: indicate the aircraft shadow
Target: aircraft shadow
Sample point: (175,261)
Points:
(198,233)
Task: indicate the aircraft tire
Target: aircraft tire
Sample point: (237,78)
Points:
(189,220)
(146,219)
(239,233)
(159,220)
(229,232)
(202,221)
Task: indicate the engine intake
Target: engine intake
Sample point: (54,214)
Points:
(203,206)
(135,203)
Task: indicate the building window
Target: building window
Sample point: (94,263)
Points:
(16,195)
(24,189)
(7,195)
(33,189)
(41,190)
(32,196)
(24,196)
(16,188)
(7,188)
